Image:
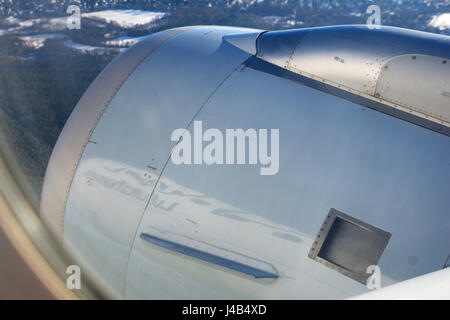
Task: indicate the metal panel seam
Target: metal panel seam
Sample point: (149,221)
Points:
(159,177)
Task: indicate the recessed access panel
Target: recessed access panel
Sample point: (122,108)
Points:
(348,245)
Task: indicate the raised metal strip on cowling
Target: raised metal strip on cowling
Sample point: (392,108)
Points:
(210,253)
(81,124)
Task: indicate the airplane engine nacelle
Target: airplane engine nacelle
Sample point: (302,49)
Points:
(216,162)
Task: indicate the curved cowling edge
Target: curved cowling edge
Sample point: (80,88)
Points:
(125,120)
(82,122)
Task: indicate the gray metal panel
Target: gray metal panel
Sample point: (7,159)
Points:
(333,153)
(245,41)
(117,174)
(82,122)
(427,89)
(353,57)
(376,104)
(277,47)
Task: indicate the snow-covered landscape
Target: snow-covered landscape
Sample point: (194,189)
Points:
(116,29)
(121,18)
(37,41)
(112,28)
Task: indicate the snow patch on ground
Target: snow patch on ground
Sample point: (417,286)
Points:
(442,21)
(125,18)
(84,48)
(124,41)
(12,21)
(36,41)
(49,25)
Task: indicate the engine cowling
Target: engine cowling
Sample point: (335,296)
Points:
(350,138)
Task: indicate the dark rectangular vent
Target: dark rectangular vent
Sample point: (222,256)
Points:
(348,245)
